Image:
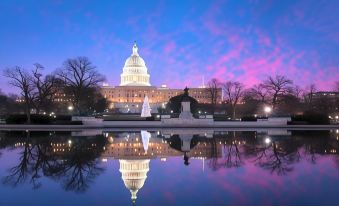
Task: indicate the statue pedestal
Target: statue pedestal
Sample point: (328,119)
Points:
(186,118)
(186,115)
(186,111)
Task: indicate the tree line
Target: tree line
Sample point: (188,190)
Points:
(277,92)
(76,81)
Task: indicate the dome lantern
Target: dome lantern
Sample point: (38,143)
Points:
(135,49)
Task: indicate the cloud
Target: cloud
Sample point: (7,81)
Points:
(231,41)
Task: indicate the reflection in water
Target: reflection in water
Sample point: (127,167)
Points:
(80,164)
(73,162)
(73,158)
(145,136)
(134,174)
(134,171)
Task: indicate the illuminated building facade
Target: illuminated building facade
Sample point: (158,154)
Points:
(135,85)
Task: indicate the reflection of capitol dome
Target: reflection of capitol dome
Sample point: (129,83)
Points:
(134,174)
(135,71)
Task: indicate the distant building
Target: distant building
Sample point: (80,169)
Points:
(327,102)
(135,85)
(332,96)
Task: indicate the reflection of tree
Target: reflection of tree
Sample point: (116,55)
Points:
(277,154)
(213,163)
(232,154)
(33,163)
(311,151)
(76,167)
(19,173)
(315,143)
(233,158)
(278,157)
(80,167)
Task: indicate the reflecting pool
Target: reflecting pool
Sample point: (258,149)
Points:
(169,167)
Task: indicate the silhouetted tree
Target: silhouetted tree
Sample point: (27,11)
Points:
(285,104)
(46,87)
(101,104)
(297,91)
(7,104)
(308,95)
(336,86)
(213,87)
(259,92)
(80,79)
(21,79)
(234,91)
(251,104)
(277,86)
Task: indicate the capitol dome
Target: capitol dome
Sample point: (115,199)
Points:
(135,70)
(134,174)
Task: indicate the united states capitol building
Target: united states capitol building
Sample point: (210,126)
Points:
(135,85)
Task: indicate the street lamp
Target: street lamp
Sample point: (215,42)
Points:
(267,110)
(69,142)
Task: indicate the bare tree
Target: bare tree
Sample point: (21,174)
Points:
(277,86)
(7,104)
(45,89)
(336,87)
(309,93)
(297,92)
(21,79)
(234,91)
(213,90)
(259,92)
(80,78)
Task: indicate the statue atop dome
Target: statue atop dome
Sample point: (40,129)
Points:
(135,49)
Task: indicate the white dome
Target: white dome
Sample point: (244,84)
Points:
(135,71)
(134,174)
(135,61)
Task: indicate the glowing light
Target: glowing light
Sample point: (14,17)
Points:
(70,108)
(267,109)
(267,140)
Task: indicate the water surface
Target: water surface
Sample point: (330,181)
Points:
(169,167)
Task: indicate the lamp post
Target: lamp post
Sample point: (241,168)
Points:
(267,140)
(267,110)
(70,109)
